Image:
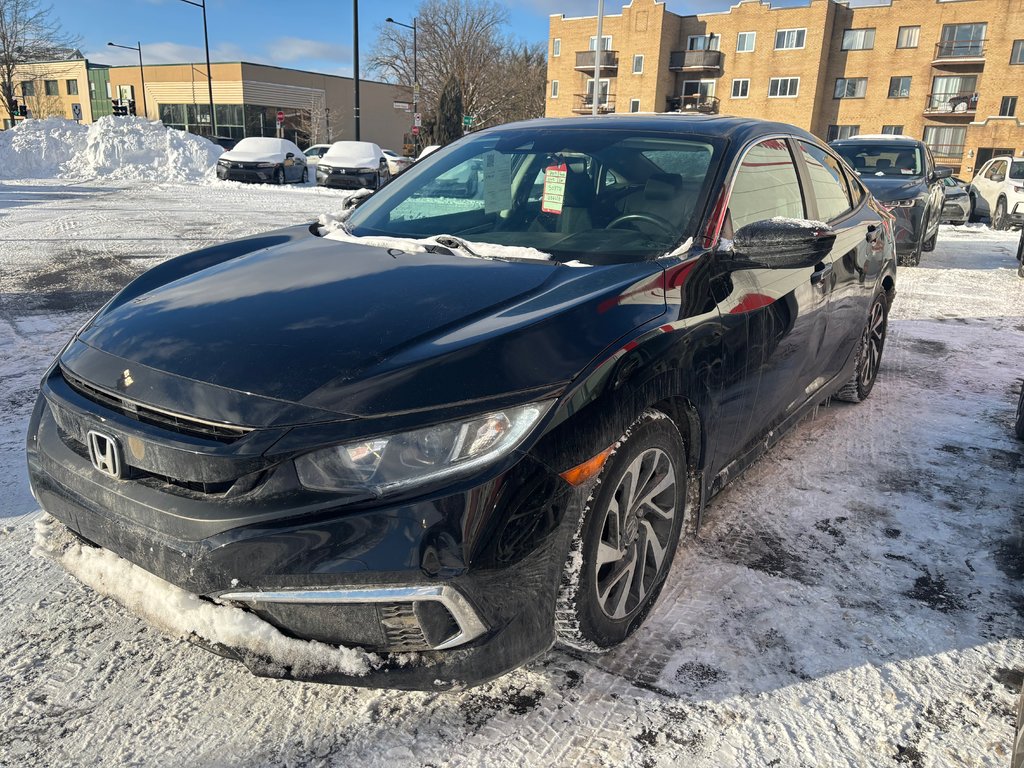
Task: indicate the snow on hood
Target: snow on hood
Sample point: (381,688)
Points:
(257,149)
(358,154)
(182,614)
(128,148)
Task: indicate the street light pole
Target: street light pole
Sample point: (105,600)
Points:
(355,60)
(415,77)
(597,59)
(209,72)
(142,73)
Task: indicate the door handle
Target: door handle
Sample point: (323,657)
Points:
(821,273)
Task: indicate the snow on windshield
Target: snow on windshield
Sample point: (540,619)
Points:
(361,154)
(263,145)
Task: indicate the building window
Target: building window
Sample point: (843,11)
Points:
(783,87)
(702,43)
(634,105)
(745,42)
(638,63)
(602,93)
(1008,106)
(741,88)
(836,132)
(858,39)
(1017,54)
(946,142)
(50,86)
(28,88)
(962,40)
(606,42)
(851,87)
(788,39)
(892,130)
(556,47)
(899,87)
(72,86)
(953,93)
(908,37)
(554,89)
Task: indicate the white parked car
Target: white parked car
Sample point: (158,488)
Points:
(263,159)
(427,150)
(353,165)
(997,191)
(314,153)
(396,162)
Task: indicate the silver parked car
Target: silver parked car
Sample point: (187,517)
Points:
(956,205)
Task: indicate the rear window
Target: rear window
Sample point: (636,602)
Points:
(883,159)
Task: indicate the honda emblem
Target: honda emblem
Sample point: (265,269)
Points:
(105,454)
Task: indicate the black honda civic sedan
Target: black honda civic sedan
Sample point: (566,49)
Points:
(454,431)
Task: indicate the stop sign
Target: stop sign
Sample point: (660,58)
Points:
(280,118)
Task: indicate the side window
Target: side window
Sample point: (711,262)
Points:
(828,184)
(995,171)
(856,190)
(766,186)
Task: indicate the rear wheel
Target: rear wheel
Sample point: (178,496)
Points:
(999,220)
(869,354)
(627,538)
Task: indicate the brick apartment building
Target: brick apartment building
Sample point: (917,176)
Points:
(948,71)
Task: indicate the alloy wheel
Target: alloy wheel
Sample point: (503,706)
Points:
(873,341)
(635,534)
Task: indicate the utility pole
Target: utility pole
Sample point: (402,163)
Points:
(209,72)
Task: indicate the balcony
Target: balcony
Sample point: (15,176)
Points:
(696,61)
(951,104)
(585,104)
(958,52)
(693,102)
(585,61)
(947,154)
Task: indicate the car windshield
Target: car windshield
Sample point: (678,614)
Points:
(883,159)
(598,196)
(1017,169)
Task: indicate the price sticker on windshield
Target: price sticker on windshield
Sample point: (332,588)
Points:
(554,189)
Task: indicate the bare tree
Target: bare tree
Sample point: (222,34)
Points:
(28,33)
(449,113)
(500,79)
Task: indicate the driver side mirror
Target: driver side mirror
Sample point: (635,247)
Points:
(780,243)
(942,172)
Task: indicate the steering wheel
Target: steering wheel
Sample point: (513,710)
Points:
(628,218)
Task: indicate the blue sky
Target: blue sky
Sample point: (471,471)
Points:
(313,34)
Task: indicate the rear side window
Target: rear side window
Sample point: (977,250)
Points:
(766,186)
(828,184)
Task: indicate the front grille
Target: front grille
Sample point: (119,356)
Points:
(175,422)
(401,629)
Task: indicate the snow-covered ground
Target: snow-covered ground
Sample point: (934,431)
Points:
(857,598)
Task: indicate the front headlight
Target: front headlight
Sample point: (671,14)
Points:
(224,163)
(900,203)
(321,168)
(392,462)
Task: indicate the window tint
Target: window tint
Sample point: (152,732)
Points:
(766,186)
(828,183)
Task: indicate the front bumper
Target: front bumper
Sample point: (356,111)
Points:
(340,180)
(1016,213)
(956,210)
(256,175)
(464,579)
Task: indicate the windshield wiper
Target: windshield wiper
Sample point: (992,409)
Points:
(450,241)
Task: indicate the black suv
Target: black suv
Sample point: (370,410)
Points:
(901,173)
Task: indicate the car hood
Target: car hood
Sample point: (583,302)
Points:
(346,329)
(252,157)
(894,187)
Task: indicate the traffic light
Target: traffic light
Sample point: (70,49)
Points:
(20,110)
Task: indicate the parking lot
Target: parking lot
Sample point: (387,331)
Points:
(856,598)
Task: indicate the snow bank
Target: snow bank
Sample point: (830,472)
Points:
(126,148)
(183,614)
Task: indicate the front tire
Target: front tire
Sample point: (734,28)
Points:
(279,176)
(869,353)
(973,216)
(929,245)
(305,175)
(627,537)
(999,221)
(1019,426)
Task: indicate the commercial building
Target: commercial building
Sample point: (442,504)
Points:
(247,97)
(950,72)
(71,88)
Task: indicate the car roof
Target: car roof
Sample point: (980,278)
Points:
(738,128)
